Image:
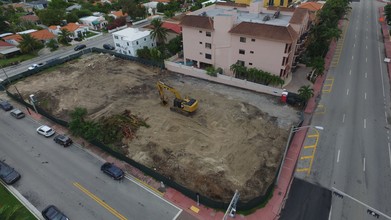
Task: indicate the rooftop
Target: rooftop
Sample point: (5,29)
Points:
(131,34)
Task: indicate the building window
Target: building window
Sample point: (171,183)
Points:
(253,40)
(242,52)
(200,32)
(281,2)
(200,42)
(208,34)
(129,52)
(208,56)
(116,37)
(250,64)
(145,39)
(288,47)
(251,51)
(127,43)
(152,44)
(136,42)
(240,62)
(243,39)
(117,44)
(208,45)
(284,61)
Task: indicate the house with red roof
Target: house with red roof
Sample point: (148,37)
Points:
(118,14)
(42,35)
(8,50)
(75,28)
(31,18)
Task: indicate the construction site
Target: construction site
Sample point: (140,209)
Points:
(233,139)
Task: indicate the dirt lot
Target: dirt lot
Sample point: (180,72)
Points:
(234,141)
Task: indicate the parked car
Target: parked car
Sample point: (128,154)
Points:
(53,213)
(17,113)
(80,46)
(63,140)
(45,131)
(35,66)
(6,106)
(8,174)
(112,170)
(108,47)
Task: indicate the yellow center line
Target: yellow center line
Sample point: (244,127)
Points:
(302,169)
(99,201)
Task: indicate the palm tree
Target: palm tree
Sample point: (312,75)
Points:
(29,44)
(64,36)
(306,92)
(159,33)
(239,70)
(317,64)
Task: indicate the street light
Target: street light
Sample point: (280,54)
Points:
(293,130)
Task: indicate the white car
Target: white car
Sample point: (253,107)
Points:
(35,66)
(46,131)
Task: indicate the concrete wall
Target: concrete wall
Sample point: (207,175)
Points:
(223,79)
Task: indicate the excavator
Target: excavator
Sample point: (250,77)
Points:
(184,106)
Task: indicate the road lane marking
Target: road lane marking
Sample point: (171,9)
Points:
(366,59)
(347,92)
(366,75)
(338,156)
(365,123)
(343,118)
(302,169)
(99,201)
(331,209)
(350,72)
(363,169)
(361,203)
(309,146)
(354,45)
(352,57)
(389,153)
(366,47)
(365,96)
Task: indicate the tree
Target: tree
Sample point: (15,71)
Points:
(175,45)
(158,33)
(72,17)
(64,36)
(238,70)
(51,16)
(317,64)
(133,9)
(306,92)
(144,53)
(29,44)
(52,44)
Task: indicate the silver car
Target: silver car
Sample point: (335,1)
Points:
(45,131)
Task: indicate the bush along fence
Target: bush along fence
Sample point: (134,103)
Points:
(241,206)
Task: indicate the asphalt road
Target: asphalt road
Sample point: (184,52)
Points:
(353,154)
(71,179)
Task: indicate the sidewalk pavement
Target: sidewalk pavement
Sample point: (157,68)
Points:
(193,211)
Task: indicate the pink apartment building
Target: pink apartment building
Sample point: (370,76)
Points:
(269,39)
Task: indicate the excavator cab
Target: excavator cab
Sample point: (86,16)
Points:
(184,106)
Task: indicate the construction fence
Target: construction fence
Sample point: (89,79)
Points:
(241,206)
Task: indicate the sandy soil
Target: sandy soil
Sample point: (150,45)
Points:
(234,141)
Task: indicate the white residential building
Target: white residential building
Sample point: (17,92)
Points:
(129,40)
(94,22)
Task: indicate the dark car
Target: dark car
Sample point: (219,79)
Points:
(63,140)
(6,106)
(17,113)
(108,47)
(53,213)
(113,171)
(8,174)
(80,46)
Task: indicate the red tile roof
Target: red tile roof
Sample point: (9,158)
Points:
(266,31)
(43,35)
(15,37)
(197,22)
(312,6)
(71,27)
(53,27)
(172,26)
(5,44)
(119,13)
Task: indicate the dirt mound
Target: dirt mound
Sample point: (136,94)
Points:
(227,144)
